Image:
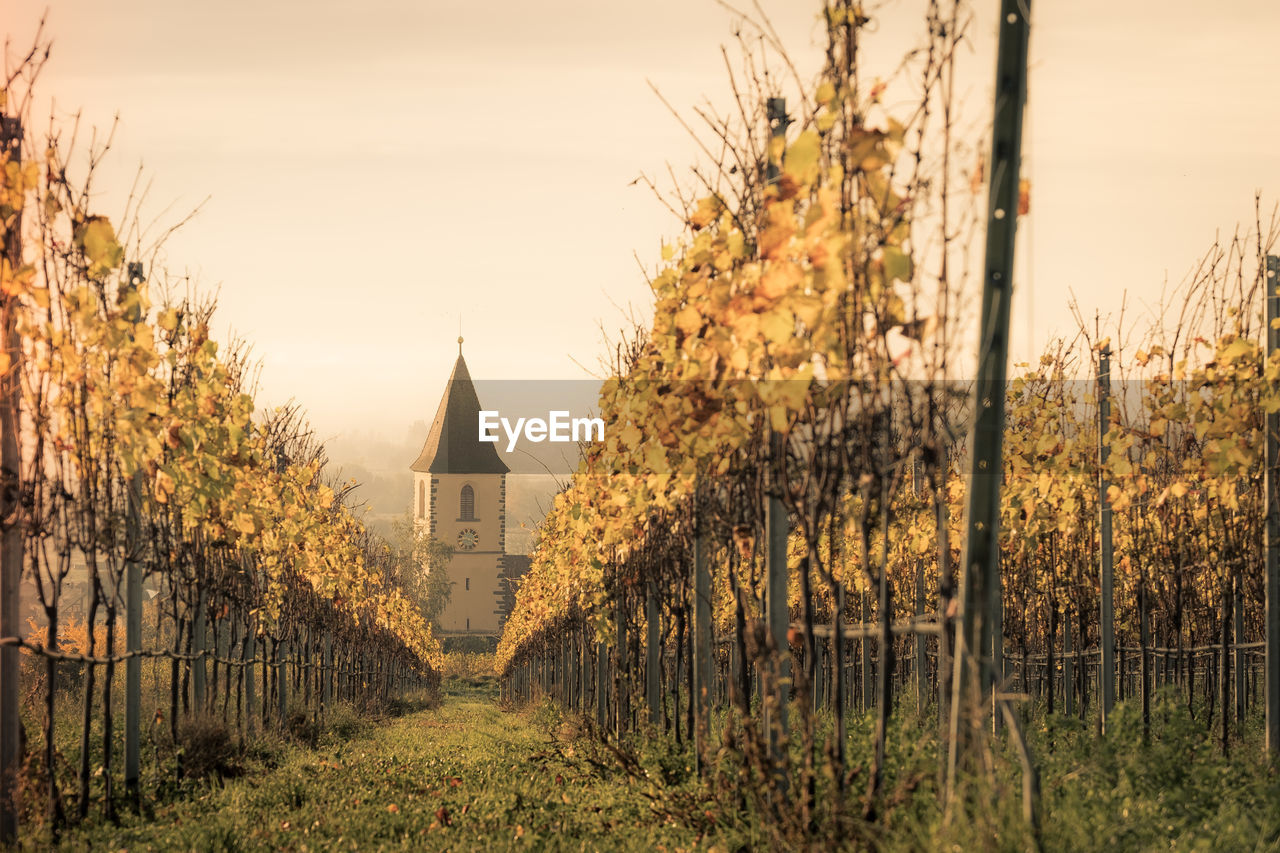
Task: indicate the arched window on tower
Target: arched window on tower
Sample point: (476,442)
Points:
(422,499)
(467,504)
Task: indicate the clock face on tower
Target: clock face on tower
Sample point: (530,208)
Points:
(468,539)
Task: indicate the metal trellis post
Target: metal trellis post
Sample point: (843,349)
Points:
(980,581)
(1106,625)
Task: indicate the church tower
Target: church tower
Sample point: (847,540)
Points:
(460,497)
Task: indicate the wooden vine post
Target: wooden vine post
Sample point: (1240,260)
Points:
(778,616)
(1068,664)
(327,690)
(653,654)
(602,690)
(701,644)
(10,512)
(250,685)
(133,604)
(777,611)
(282,679)
(622,686)
(200,635)
(922,651)
(945,644)
(1272,679)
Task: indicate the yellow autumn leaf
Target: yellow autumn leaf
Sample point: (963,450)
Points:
(897,264)
(1237,348)
(97,239)
(688,320)
(630,435)
(807,309)
(164,487)
(777,418)
(14,282)
(778,279)
(777,326)
(801,160)
(706,212)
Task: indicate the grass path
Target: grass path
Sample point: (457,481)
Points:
(464,776)
(468,776)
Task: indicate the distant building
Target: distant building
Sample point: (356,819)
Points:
(460,497)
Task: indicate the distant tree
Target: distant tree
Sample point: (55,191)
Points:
(433,558)
(421,567)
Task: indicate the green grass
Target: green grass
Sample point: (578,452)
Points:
(469,775)
(463,776)
(1176,793)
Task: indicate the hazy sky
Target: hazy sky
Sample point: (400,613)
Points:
(379,170)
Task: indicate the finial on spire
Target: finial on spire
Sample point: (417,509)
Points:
(459,344)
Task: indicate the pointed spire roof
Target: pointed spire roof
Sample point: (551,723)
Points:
(453,446)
